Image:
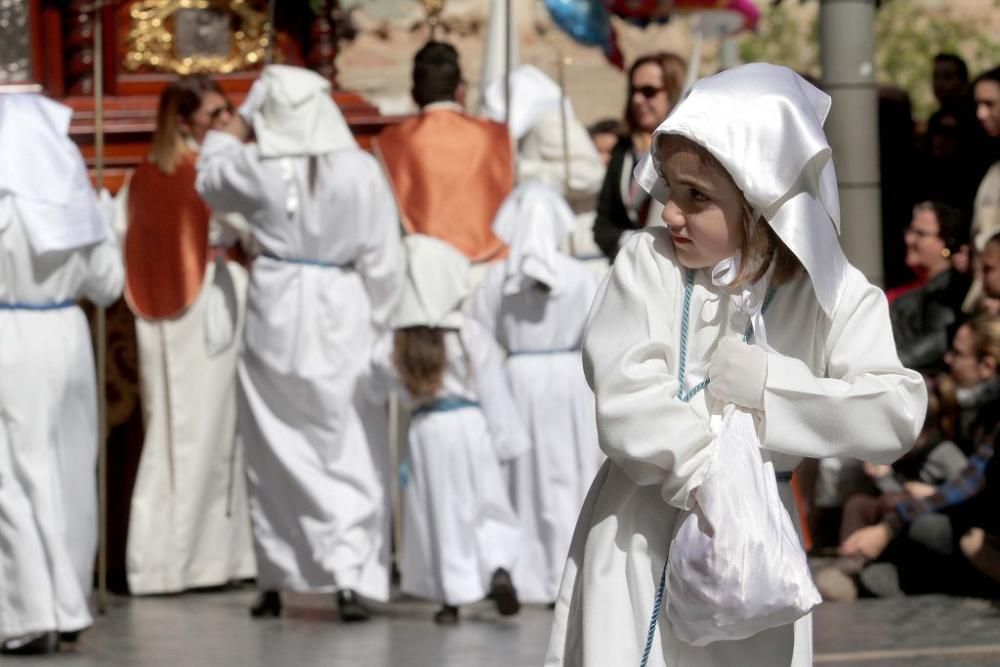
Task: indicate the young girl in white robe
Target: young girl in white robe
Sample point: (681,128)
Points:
(745,173)
(460,535)
(320,292)
(55,248)
(536,304)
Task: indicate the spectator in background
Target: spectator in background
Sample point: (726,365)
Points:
(655,82)
(896,168)
(922,317)
(606,134)
(950,79)
(928,541)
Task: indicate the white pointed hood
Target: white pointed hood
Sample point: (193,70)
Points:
(293,114)
(764,124)
(44,172)
(534,221)
(437,282)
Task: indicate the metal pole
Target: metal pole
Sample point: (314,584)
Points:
(271,33)
(847,48)
(507,58)
(101,331)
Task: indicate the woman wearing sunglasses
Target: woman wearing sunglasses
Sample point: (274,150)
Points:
(188,523)
(656,82)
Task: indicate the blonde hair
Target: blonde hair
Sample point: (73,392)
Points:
(180,99)
(761,246)
(985,331)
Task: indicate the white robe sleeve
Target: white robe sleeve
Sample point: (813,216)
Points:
(485,304)
(382,378)
(381,262)
(510,439)
(229,176)
(868,406)
(628,352)
(105,272)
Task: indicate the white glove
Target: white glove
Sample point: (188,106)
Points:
(738,373)
(253,101)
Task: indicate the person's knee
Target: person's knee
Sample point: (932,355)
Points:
(932,531)
(971,543)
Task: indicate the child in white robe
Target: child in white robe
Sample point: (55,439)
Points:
(535,304)
(745,173)
(56,247)
(460,534)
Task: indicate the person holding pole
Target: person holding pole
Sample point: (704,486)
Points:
(56,246)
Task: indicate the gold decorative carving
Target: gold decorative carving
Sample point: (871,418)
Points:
(152,40)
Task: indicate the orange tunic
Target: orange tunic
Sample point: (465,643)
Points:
(451,173)
(166,241)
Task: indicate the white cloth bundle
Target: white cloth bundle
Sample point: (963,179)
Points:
(736,565)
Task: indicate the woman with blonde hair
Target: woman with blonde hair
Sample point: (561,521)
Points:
(188,524)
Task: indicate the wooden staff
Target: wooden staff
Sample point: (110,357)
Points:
(101,332)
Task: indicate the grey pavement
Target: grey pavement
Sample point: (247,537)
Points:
(215,629)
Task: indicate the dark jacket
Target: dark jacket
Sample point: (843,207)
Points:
(612,217)
(925,319)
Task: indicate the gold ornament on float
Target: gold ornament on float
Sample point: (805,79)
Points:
(191,36)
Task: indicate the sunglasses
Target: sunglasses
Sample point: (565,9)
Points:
(216,112)
(648,92)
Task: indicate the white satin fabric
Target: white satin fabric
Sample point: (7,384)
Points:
(543,331)
(44,172)
(533,221)
(188,523)
(458,523)
(437,282)
(293,114)
(834,387)
(764,123)
(48,430)
(315,446)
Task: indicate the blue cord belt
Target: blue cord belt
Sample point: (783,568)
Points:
(526,353)
(309,262)
(56,305)
(446,404)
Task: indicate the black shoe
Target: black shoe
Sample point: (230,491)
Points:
(446,615)
(503,593)
(37,643)
(268,604)
(351,608)
(70,637)
(881,580)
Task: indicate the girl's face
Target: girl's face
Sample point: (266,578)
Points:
(705,208)
(967,368)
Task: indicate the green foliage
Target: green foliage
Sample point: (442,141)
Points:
(907,39)
(783,37)
(907,35)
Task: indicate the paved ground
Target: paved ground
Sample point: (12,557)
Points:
(214,629)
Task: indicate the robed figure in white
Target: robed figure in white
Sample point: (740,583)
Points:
(188,521)
(323,286)
(536,304)
(829,385)
(461,538)
(55,247)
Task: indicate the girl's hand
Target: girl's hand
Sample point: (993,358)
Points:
(738,373)
(868,542)
(919,490)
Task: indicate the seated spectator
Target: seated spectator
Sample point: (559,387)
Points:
(923,317)
(928,541)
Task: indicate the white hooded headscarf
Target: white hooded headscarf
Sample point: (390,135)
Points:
(764,124)
(437,282)
(293,114)
(534,221)
(533,95)
(44,173)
